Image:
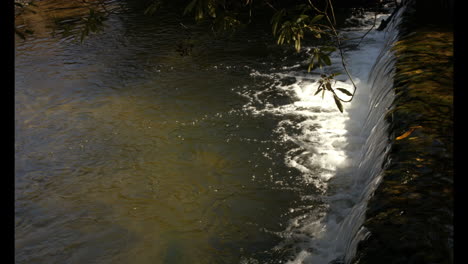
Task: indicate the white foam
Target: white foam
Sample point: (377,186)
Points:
(326,145)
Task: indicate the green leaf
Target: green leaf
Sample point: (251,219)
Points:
(319,62)
(316,18)
(199,15)
(344,91)
(318,90)
(326,59)
(275,20)
(275,27)
(212,10)
(335,74)
(277,16)
(301,18)
(338,103)
(153,7)
(281,39)
(190,7)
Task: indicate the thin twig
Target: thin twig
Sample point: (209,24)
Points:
(268,3)
(338,44)
(340,48)
(333,12)
(375,20)
(316,9)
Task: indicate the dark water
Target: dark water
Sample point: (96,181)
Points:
(128,152)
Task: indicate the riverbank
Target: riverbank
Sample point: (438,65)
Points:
(410,216)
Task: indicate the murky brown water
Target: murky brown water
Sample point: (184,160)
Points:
(127,152)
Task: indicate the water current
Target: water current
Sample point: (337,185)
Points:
(128,152)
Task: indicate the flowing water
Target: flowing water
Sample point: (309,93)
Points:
(128,152)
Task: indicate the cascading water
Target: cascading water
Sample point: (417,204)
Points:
(340,155)
(134,146)
(179,167)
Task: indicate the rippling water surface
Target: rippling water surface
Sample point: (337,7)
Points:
(128,152)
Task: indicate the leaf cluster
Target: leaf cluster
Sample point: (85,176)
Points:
(290,25)
(291,28)
(320,57)
(217,11)
(325,85)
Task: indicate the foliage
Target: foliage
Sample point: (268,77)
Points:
(325,84)
(290,25)
(291,22)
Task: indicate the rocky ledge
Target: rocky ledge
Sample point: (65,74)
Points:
(410,216)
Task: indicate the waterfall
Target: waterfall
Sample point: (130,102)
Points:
(372,160)
(372,157)
(339,155)
(350,149)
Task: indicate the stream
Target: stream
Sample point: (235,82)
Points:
(127,151)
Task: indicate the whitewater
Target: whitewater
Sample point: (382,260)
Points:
(339,154)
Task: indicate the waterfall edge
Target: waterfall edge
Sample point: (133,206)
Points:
(410,214)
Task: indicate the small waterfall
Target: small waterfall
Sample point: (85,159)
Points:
(341,228)
(339,155)
(372,160)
